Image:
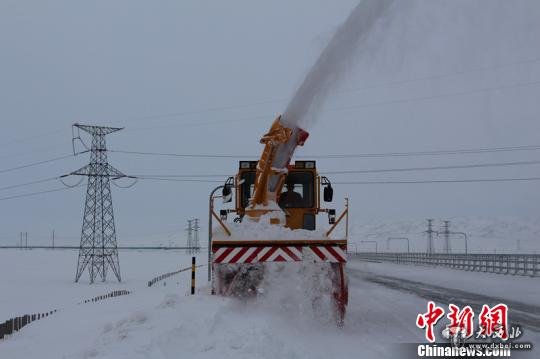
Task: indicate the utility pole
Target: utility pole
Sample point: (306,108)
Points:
(26,240)
(98,250)
(20,239)
(53,238)
(446,232)
(465,237)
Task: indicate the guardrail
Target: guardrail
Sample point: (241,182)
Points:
(15,324)
(113,294)
(167,275)
(512,264)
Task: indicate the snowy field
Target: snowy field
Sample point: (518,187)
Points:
(35,281)
(165,322)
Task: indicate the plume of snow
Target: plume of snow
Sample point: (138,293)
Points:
(333,63)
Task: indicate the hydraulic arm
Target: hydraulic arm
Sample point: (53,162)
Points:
(280,143)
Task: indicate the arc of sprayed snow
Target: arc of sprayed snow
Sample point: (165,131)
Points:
(334,61)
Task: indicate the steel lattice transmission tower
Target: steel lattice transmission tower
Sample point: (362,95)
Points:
(430,232)
(196,228)
(446,232)
(98,250)
(193,236)
(189,229)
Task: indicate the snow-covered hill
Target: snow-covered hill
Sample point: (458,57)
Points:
(484,234)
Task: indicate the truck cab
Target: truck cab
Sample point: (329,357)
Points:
(299,193)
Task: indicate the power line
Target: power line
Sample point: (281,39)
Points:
(207,110)
(24,139)
(376,182)
(357,155)
(28,183)
(175,154)
(439,76)
(354,89)
(430,153)
(36,163)
(366,105)
(476,165)
(478,180)
(203,123)
(152,176)
(384,84)
(432,97)
(196,177)
(440,181)
(382,170)
(37,193)
(33,150)
(178,180)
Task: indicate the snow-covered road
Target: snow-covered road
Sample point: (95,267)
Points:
(527,315)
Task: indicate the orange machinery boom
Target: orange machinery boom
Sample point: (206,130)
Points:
(280,143)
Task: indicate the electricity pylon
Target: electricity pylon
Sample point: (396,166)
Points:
(446,232)
(98,250)
(189,229)
(430,232)
(196,228)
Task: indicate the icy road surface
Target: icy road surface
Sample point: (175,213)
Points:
(165,322)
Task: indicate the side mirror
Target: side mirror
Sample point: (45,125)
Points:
(227,194)
(328,193)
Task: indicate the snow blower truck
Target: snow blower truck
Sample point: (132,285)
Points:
(276,207)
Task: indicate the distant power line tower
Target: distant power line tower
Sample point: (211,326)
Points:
(196,235)
(193,235)
(430,232)
(190,236)
(98,250)
(446,232)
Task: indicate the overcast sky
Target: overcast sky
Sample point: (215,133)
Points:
(432,75)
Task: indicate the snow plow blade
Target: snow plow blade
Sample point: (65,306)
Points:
(239,266)
(329,251)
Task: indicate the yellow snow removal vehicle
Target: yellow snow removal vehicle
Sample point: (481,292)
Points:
(277,204)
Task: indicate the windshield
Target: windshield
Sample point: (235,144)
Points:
(297,192)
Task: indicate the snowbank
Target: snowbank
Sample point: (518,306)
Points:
(263,230)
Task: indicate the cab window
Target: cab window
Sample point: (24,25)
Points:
(297,191)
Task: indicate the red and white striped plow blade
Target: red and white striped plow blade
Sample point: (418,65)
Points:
(326,253)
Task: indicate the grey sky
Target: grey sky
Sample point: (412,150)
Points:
(117,62)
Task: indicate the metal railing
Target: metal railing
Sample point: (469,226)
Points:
(513,264)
